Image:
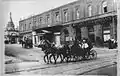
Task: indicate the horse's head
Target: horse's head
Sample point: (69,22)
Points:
(42,46)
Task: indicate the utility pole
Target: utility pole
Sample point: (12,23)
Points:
(118,37)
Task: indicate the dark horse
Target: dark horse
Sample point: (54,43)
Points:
(27,43)
(51,52)
(47,51)
(23,43)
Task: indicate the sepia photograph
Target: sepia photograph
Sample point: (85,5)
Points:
(61,37)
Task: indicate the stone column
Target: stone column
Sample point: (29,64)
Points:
(33,37)
(98,34)
(37,39)
(84,32)
(17,40)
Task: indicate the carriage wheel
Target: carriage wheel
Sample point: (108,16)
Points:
(46,60)
(93,54)
(88,56)
(62,58)
(76,58)
(67,58)
(53,59)
(59,58)
(80,58)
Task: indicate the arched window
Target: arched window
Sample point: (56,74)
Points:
(48,18)
(25,27)
(66,15)
(90,10)
(104,5)
(57,16)
(40,20)
(77,13)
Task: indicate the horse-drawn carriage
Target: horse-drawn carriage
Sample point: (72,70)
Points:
(27,43)
(66,53)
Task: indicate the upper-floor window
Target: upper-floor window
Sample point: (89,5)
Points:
(48,18)
(77,13)
(40,20)
(29,25)
(35,21)
(104,4)
(25,27)
(90,10)
(22,27)
(66,15)
(57,15)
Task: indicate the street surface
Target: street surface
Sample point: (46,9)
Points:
(32,63)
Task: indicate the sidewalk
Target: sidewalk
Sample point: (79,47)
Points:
(102,50)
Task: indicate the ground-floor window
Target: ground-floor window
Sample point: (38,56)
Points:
(106,35)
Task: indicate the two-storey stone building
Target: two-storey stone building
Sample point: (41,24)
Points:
(93,19)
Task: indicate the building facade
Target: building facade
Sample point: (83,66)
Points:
(92,19)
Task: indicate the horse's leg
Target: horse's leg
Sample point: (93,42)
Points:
(45,58)
(48,58)
(51,58)
(62,58)
(55,59)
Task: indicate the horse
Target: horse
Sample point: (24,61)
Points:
(46,50)
(50,52)
(23,43)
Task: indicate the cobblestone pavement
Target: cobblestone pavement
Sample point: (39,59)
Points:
(105,57)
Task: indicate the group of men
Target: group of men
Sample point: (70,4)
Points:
(112,44)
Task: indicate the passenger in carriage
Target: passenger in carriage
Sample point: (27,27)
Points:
(86,45)
(89,44)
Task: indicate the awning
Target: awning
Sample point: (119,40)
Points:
(46,31)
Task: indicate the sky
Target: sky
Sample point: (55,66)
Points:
(25,8)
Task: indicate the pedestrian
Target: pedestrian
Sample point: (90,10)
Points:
(31,43)
(109,44)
